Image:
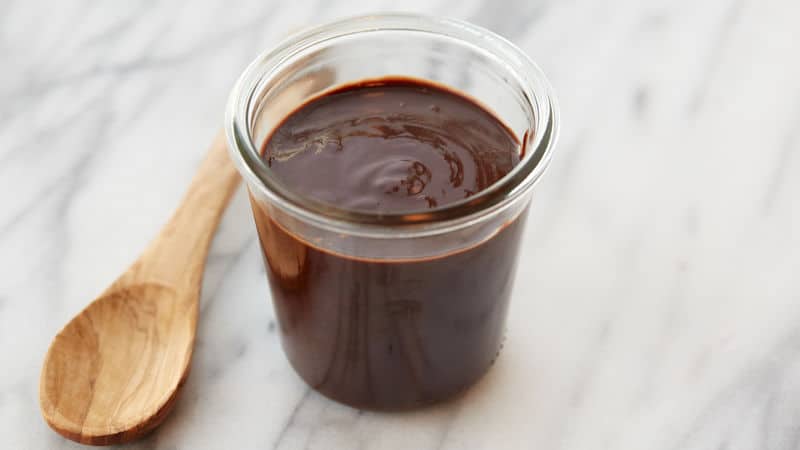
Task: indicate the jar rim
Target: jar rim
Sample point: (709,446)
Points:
(536,90)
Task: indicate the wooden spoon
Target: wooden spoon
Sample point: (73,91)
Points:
(113,372)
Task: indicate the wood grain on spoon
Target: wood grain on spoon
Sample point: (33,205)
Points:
(113,373)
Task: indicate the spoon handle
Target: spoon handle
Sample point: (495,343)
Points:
(179,252)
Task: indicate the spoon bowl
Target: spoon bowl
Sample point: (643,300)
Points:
(128,352)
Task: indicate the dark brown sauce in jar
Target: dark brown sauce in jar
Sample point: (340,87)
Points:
(383,333)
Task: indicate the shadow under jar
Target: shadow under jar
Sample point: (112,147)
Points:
(385,308)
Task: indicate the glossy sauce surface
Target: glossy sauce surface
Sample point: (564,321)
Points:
(392,146)
(390,334)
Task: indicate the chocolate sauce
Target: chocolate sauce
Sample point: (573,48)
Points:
(391,146)
(383,333)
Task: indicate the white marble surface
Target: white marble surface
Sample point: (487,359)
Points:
(658,299)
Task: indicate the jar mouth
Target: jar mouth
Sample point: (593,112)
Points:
(537,143)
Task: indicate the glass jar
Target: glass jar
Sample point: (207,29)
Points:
(392,311)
